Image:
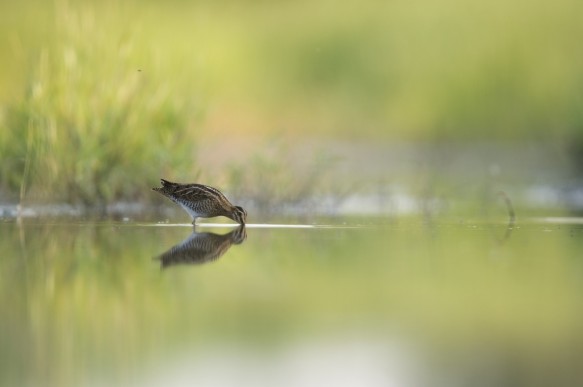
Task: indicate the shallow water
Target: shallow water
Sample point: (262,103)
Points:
(403,303)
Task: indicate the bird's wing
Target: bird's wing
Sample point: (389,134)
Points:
(192,192)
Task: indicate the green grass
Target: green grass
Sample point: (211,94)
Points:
(98,98)
(92,123)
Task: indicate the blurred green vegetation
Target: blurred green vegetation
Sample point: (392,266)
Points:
(86,301)
(90,121)
(98,97)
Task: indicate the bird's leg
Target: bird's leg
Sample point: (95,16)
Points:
(194,222)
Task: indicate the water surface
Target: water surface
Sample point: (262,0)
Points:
(346,302)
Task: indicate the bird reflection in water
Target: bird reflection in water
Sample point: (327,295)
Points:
(202,247)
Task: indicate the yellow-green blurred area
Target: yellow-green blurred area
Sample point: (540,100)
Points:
(88,304)
(101,95)
(400,69)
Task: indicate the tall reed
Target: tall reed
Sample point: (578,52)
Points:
(99,116)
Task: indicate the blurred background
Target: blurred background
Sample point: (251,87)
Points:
(100,99)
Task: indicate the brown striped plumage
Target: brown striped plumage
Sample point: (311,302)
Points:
(201,201)
(202,247)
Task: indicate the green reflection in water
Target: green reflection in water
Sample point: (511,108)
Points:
(89,301)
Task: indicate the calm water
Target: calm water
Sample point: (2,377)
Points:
(358,303)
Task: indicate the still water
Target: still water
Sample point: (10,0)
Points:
(359,302)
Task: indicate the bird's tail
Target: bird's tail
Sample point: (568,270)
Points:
(165,185)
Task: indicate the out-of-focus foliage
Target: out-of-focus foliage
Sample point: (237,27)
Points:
(91,122)
(97,96)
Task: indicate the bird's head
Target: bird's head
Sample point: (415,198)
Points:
(239,215)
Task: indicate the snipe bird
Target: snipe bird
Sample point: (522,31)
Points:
(201,201)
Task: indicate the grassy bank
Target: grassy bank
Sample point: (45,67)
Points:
(98,98)
(91,122)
